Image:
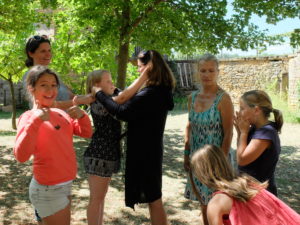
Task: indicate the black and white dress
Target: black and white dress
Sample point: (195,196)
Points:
(102,156)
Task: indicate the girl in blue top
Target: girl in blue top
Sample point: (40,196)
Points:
(258,146)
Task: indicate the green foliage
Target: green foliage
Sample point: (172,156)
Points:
(12,56)
(132,74)
(90,32)
(181,102)
(295,38)
(289,115)
(275,11)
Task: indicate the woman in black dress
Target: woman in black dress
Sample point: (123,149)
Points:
(146,114)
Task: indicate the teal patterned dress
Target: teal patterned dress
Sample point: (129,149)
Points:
(206,128)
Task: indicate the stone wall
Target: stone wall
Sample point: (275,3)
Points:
(5,96)
(294,82)
(240,75)
(280,73)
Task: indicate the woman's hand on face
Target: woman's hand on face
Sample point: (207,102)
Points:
(241,125)
(75,112)
(147,69)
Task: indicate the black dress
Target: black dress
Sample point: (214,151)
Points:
(146,114)
(102,156)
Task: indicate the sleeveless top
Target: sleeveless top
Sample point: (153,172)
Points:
(206,128)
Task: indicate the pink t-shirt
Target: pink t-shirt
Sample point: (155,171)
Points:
(263,209)
(51,144)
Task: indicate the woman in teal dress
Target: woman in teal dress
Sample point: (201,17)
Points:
(210,122)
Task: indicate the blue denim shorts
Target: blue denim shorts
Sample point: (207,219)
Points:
(48,200)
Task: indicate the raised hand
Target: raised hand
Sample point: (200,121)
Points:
(241,125)
(75,112)
(43,113)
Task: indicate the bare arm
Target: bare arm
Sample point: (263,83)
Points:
(218,206)
(247,153)
(187,134)
(226,109)
(77,100)
(125,95)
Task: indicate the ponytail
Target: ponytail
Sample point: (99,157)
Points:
(29,61)
(278,119)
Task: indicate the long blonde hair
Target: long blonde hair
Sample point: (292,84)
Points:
(263,101)
(212,168)
(93,78)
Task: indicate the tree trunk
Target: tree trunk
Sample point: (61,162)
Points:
(123,45)
(14,114)
(122,64)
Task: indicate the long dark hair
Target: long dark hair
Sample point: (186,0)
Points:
(32,45)
(160,74)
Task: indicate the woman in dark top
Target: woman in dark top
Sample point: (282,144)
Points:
(258,146)
(146,114)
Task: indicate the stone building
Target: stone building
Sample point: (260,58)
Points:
(280,73)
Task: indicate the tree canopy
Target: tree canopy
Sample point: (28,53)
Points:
(91,34)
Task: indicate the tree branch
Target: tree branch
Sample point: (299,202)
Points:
(140,18)
(3,77)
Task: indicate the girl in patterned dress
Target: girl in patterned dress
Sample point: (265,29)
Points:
(210,122)
(102,156)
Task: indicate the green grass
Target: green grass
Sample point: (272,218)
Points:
(289,115)
(7,115)
(7,133)
(180,103)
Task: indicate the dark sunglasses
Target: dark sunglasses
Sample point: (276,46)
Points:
(38,38)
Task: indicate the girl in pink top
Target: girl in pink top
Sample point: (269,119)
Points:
(47,135)
(243,198)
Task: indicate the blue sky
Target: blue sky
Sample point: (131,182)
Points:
(283,26)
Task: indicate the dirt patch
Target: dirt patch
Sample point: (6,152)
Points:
(15,208)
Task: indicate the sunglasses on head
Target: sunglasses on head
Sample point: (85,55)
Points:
(38,38)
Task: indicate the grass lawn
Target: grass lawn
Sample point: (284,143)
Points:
(15,208)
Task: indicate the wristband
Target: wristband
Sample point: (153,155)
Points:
(187,152)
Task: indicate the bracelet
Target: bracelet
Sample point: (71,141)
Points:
(187,152)
(74,100)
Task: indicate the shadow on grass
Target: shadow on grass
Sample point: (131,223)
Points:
(173,154)
(288,177)
(14,180)
(80,147)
